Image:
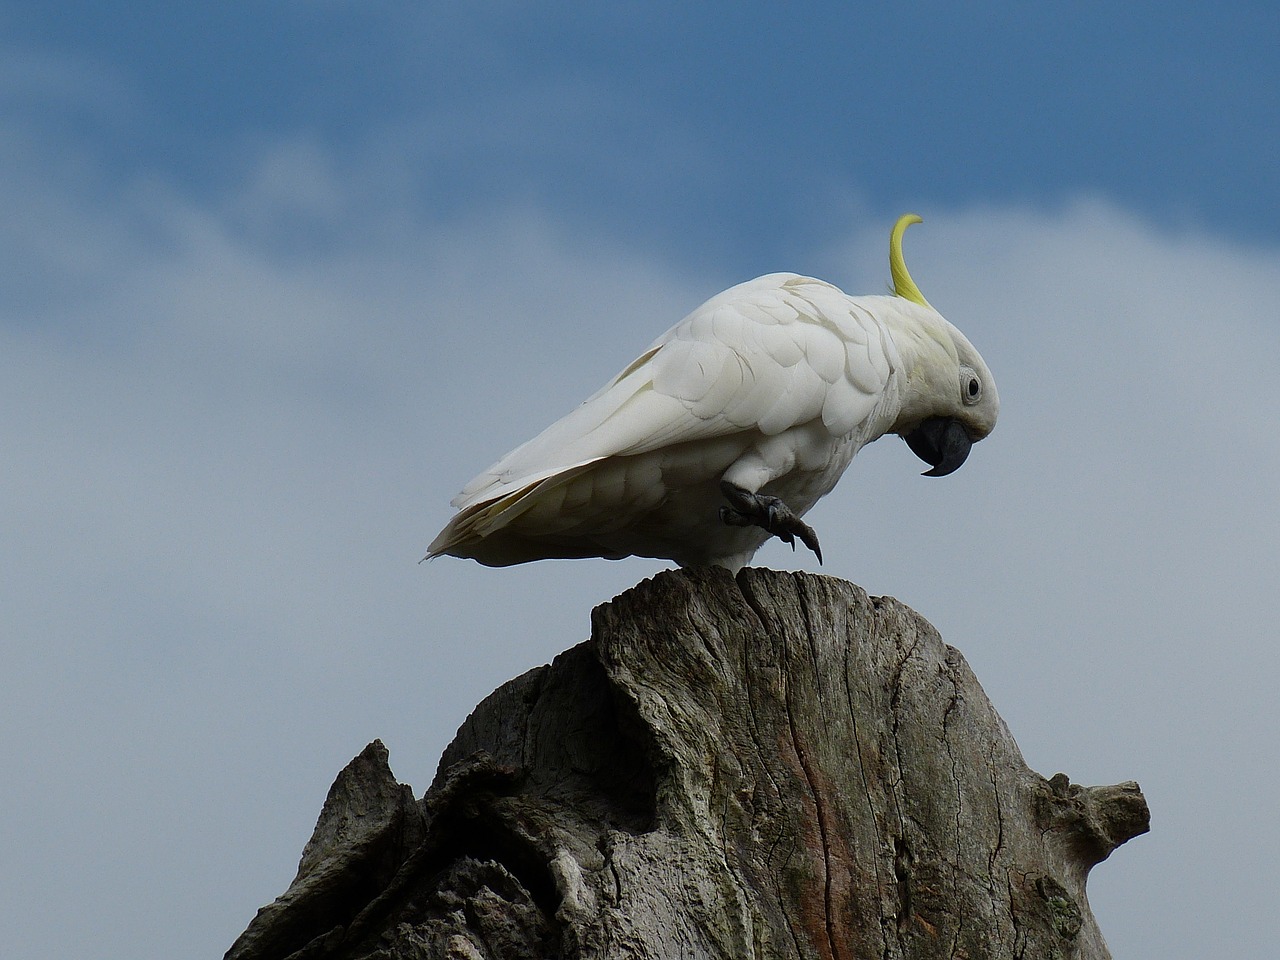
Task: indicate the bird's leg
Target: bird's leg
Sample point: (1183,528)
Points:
(748,509)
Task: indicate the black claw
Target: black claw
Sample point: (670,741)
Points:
(768,513)
(811,541)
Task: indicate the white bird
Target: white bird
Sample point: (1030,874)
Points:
(731,426)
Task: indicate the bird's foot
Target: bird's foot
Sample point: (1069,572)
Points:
(769,513)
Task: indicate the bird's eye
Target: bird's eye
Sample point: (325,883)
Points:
(970,386)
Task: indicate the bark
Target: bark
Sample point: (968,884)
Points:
(773,765)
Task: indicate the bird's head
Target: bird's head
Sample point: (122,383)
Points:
(949,399)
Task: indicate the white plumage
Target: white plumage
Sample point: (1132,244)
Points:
(765,391)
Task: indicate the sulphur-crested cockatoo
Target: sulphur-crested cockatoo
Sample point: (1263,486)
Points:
(731,426)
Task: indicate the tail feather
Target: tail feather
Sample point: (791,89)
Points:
(488,518)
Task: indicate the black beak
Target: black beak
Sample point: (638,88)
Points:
(940,442)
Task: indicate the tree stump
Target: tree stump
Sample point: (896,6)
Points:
(769,766)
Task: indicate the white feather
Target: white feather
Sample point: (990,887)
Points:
(773,384)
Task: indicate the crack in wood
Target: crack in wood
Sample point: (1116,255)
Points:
(820,819)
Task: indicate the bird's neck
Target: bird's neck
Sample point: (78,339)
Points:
(926,354)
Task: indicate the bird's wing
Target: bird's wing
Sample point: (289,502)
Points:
(764,356)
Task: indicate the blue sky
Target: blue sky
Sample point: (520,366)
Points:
(723,128)
(276,280)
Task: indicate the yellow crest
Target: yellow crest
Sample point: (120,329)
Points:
(903,285)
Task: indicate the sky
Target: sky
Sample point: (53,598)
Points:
(277,279)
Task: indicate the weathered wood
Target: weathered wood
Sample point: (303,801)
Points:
(770,766)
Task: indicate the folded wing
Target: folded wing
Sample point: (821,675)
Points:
(760,358)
